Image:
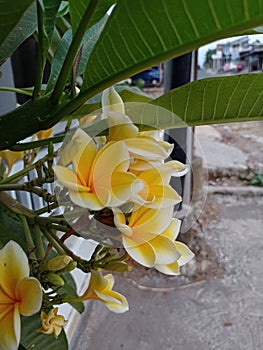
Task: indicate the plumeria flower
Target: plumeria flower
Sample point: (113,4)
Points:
(11,158)
(52,323)
(19,294)
(44,134)
(142,236)
(157,193)
(140,146)
(100,178)
(100,288)
(186,254)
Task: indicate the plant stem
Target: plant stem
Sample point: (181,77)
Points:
(72,52)
(18,175)
(18,91)
(30,243)
(39,242)
(35,144)
(55,242)
(40,53)
(47,208)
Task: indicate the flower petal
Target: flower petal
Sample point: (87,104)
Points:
(69,179)
(164,196)
(178,168)
(170,269)
(10,328)
(86,200)
(84,161)
(75,147)
(173,229)
(123,187)
(29,293)
(143,253)
(186,253)
(120,223)
(120,127)
(114,301)
(147,148)
(111,101)
(150,220)
(165,250)
(13,267)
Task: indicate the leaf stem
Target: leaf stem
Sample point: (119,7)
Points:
(39,242)
(17,90)
(72,52)
(30,243)
(40,53)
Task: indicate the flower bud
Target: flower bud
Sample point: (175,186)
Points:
(55,280)
(71,266)
(58,262)
(117,266)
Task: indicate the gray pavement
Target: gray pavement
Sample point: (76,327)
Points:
(217,302)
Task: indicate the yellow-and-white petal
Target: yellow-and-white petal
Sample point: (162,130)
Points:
(140,251)
(170,269)
(123,187)
(10,328)
(111,101)
(88,200)
(29,293)
(186,254)
(165,250)
(13,267)
(120,127)
(173,229)
(146,148)
(68,178)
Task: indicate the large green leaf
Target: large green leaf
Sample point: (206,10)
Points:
(10,228)
(78,8)
(207,101)
(11,13)
(32,339)
(25,26)
(142,33)
(89,41)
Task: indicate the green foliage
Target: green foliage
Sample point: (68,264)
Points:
(257,180)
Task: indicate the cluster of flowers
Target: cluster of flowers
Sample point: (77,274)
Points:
(128,166)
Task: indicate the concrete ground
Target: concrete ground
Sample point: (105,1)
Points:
(217,302)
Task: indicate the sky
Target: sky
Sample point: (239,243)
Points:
(203,49)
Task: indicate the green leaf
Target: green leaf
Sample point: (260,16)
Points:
(51,8)
(32,339)
(70,289)
(89,41)
(58,59)
(207,101)
(11,13)
(10,228)
(78,8)
(25,26)
(31,117)
(142,33)
(63,9)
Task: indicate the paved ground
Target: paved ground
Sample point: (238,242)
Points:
(217,303)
